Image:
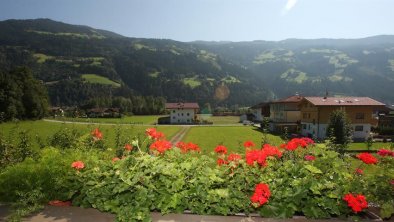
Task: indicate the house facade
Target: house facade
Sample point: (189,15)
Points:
(315,114)
(182,113)
(285,113)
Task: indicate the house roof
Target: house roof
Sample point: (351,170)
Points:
(291,99)
(343,101)
(182,105)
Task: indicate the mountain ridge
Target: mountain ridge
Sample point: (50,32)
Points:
(251,72)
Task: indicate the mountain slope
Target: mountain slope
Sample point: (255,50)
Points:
(362,67)
(219,73)
(59,52)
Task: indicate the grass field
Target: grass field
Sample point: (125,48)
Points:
(42,130)
(124,120)
(220,119)
(363,146)
(93,78)
(233,137)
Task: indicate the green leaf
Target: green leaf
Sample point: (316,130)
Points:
(387,210)
(313,169)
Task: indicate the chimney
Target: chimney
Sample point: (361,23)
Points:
(325,97)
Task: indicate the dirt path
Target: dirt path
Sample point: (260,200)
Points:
(179,136)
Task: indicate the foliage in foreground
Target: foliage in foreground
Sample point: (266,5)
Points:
(152,175)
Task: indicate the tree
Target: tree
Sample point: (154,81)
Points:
(339,130)
(22,96)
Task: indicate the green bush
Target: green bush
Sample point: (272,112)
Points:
(140,183)
(302,179)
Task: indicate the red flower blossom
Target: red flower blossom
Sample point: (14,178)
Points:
(59,203)
(115,159)
(261,194)
(293,144)
(271,151)
(221,149)
(193,147)
(221,161)
(154,134)
(359,171)
(309,158)
(160,146)
(185,147)
(357,203)
(367,158)
(78,165)
(384,152)
(181,145)
(260,156)
(392,182)
(128,147)
(249,144)
(253,156)
(234,157)
(97,134)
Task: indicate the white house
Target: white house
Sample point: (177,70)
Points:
(182,113)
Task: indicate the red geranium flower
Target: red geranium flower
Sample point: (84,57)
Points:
(128,147)
(261,194)
(357,203)
(115,159)
(154,134)
(253,156)
(60,203)
(234,157)
(384,152)
(260,156)
(293,144)
(78,165)
(359,171)
(193,147)
(221,161)
(97,134)
(269,150)
(185,147)
(309,158)
(249,144)
(367,158)
(160,146)
(221,149)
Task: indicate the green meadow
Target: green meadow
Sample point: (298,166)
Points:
(41,131)
(148,119)
(93,78)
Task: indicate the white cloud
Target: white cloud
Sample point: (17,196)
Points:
(289,5)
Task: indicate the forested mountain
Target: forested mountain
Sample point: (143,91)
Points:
(358,67)
(82,65)
(78,63)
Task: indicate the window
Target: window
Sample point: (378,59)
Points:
(303,126)
(304,115)
(309,127)
(182,114)
(173,111)
(173,117)
(309,115)
(359,115)
(358,128)
(188,114)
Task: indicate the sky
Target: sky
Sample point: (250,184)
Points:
(216,20)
